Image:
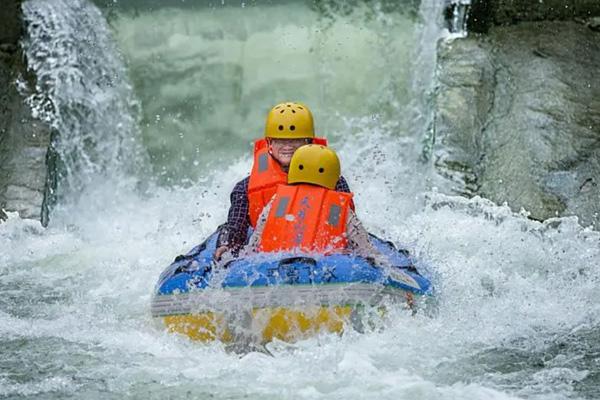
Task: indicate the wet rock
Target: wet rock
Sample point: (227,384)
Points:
(592,23)
(487,13)
(517,118)
(10,23)
(23,140)
(465,77)
(23,170)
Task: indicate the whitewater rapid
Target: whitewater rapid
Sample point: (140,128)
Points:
(75,312)
(515,315)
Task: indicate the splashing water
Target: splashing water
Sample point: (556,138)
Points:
(195,68)
(82,91)
(516,315)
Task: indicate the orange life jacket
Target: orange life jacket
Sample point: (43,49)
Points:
(265,176)
(306,218)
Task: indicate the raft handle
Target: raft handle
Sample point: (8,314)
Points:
(300,259)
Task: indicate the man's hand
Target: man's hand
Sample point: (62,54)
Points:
(219,252)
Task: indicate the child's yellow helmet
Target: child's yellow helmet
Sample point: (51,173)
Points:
(315,164)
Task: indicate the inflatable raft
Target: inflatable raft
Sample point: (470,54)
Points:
(283,296)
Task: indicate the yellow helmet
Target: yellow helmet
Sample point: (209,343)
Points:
(316,164)
(290,121)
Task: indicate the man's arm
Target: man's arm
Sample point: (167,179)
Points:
(342,186)
(234,234)
(360,242)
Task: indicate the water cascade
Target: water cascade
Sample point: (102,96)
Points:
(82,91)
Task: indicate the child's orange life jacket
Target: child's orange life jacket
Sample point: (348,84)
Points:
(265,176)
(306,218)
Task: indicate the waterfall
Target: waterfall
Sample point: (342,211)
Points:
(82,91)
(458,21)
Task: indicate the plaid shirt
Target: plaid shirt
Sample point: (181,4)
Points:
(234,234)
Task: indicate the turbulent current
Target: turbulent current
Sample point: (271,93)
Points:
(157,104)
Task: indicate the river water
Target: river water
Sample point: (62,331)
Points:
(159,102)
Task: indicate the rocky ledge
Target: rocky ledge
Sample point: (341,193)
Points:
(24,140)
(517,115)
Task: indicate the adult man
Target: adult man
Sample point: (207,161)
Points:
(309,215)
(288,126)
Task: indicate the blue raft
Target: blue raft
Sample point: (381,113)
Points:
(279,295)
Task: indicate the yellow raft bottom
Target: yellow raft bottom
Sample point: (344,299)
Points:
(270,323)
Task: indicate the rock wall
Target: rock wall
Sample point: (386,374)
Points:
(484,14)
(24,141)
(517,115)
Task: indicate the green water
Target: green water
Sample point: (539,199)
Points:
(207,75)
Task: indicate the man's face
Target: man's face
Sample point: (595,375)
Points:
(283,149)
